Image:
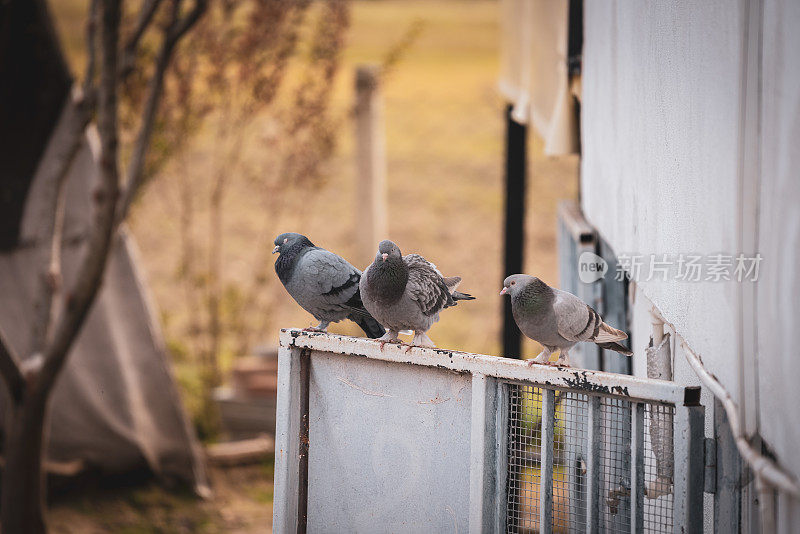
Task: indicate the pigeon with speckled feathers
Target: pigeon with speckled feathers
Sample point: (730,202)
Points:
(322,283)
(407,293)
(558,320)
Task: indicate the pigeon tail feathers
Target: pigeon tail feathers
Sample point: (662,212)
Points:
(616,347)
(607,333)
(369,325)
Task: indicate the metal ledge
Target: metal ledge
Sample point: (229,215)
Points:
(579,380)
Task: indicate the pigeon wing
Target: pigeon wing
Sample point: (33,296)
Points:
(575,320)
(426,286)
(327,277)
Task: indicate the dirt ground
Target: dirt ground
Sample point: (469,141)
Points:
(242,503)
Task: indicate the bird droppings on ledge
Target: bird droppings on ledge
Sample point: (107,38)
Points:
(581,382)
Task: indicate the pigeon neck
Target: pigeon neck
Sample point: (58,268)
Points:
(534,296)
(388,280)
(287,259)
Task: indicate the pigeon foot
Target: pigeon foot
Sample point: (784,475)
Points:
(393,341)
(389,337)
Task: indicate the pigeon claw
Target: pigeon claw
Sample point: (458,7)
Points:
(408,348)
(385,341)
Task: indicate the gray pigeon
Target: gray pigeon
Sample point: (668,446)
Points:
(556,319)
(324,284)
(407,293)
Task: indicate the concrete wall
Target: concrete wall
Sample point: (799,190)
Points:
(690,136)
(660,151)
(779,232)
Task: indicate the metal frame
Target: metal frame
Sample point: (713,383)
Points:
(488,426)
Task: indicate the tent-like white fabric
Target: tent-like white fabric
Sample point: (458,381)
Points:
(533,70)
(116,405)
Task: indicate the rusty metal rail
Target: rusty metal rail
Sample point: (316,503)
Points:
(580,380)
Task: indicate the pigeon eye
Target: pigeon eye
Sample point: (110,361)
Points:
(285,240)
(512,283)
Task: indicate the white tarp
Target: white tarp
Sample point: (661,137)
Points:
(533,69)
(115,405)
(778,311)
(661,119)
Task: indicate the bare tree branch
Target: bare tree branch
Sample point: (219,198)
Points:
(75,118)
(10,369)
(175,30)
(90,272)
(149,8)
(91,50)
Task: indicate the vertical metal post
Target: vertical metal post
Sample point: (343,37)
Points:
(637,468)
(515,171)
(302,465)
(689,470)
(287,441)
(727,505)
(546,461)
(482,474)
(502,486)
(594,441)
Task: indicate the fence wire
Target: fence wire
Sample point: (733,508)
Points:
(570,449)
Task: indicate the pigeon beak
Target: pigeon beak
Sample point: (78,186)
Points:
(276,249)
(384,256)
(503,291)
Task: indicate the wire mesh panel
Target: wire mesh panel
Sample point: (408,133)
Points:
(615,467)
(569,488)
(658,468)
(524,449)
(614,449)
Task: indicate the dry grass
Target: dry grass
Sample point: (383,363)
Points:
(242,503)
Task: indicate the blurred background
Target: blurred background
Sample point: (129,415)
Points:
(256,137)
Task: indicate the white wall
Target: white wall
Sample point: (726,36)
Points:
(661,120)
(779,233)
(660,151)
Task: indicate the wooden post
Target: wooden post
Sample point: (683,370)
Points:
(371,163)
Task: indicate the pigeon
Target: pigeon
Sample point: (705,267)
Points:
(322,283)
(557,319)
(407,293)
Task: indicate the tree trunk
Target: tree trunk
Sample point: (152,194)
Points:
(23,485)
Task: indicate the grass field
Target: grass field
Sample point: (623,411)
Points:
(444,132)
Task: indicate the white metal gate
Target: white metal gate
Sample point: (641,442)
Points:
(433,440)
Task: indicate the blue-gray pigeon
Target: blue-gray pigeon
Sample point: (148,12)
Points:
(323,283)
(407,293)
(558,320)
